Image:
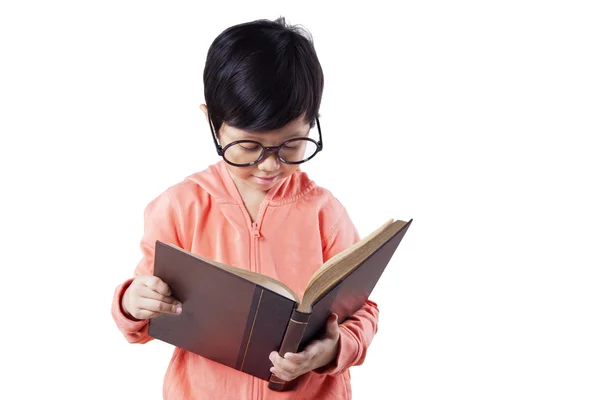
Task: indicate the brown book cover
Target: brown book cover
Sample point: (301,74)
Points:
(238,317)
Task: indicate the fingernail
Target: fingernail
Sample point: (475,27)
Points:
(178,310)
(272,369)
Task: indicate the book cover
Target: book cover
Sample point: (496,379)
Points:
(237,317)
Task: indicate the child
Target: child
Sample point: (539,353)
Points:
(254,209)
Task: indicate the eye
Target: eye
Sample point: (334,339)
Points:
(294,144)
(248,146)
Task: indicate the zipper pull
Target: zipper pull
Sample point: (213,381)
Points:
(255,231)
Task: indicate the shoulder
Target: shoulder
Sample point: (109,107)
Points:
(179,208)
(198,187)
(330,210)
(167,206)
(186,191)
(336,228)
(178,193)
(324,200)
(182,196)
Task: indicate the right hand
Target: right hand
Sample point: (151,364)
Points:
(148,297)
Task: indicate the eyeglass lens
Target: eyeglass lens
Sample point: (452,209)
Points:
(247,152)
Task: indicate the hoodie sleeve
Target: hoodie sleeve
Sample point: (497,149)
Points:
(160,223)
(357,332)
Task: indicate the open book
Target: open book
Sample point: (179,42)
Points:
(237,317)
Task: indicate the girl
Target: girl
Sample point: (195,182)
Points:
(254,209)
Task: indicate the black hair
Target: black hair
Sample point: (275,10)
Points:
(261,75)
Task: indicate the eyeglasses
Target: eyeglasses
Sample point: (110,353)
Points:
(245,153)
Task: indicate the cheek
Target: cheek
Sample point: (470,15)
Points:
(288,169)
(239,172)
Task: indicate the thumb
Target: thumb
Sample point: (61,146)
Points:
(332,325)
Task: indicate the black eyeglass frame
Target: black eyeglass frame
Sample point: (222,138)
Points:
(266,149)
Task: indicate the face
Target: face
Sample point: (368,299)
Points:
(270,170)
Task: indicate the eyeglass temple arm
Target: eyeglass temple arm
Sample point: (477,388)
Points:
(320,142)
(217,145)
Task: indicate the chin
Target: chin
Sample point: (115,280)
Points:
(264,188)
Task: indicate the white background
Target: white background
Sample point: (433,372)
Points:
(476,119)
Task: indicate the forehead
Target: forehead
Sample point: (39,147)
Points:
(297,127)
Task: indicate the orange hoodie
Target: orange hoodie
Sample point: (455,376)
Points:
(299,226)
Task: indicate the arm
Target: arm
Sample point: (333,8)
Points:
(161,222)
(357,332)
(343,345)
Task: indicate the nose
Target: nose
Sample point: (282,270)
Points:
(270,162)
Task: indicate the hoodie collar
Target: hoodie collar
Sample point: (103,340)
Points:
(217,181)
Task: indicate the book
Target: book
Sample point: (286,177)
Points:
(238,317)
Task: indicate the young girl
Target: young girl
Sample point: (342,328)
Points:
(254,209)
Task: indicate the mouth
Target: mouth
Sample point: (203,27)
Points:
(265,180)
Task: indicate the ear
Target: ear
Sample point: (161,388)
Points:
(204,110)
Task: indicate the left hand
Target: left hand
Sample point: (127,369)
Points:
(317,354)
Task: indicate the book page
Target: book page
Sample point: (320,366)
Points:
(344,253)
(341,265)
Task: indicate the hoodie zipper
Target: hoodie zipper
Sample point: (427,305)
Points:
(254,265)
(255,235)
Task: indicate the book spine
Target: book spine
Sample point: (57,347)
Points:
(267,322)
(290,344)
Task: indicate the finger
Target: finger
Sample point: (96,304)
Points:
(297,358)
(275,358)
(306,355)
(333,329)
(158,306)
(312,350)
(148,293)
(156,284)
(284,365)
(332,320)
(284,376)
(145,314)
(281,363)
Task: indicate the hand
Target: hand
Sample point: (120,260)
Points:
(148,297)
(317,354)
